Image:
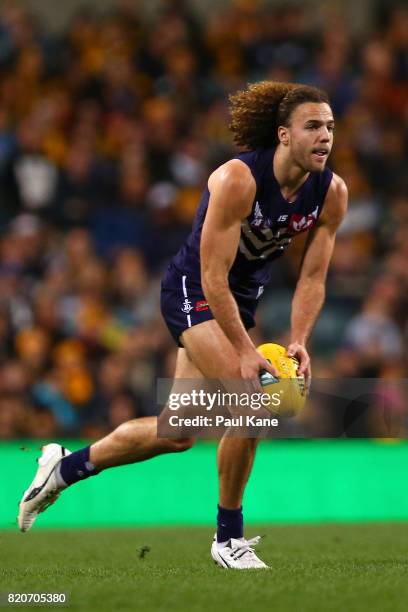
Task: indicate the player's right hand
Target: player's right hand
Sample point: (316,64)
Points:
(252,363)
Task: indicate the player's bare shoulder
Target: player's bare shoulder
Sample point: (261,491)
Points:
(335,205)
(233,173)
(233,185)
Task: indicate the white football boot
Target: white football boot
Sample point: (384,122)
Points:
(237,554)
(44,489)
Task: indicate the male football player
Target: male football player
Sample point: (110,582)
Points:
(252,208)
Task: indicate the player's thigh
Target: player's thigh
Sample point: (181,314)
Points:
(185,368)
(187,376)
(209,349)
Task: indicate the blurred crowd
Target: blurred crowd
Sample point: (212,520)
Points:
(108,132)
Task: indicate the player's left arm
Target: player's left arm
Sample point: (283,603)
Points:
(310,291)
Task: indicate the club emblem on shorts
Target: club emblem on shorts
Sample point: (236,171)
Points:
(187,306)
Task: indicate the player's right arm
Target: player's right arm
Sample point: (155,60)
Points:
(232,191)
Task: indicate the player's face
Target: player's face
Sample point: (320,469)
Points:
(310,135)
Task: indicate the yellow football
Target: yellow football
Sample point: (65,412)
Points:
(288,391)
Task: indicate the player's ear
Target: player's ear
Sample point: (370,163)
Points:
(283,134)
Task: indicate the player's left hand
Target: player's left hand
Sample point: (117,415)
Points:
(299,351)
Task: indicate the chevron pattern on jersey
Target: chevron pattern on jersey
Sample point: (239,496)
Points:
(261,243)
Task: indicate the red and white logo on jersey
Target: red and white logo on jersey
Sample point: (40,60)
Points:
(201,305)
(301,223)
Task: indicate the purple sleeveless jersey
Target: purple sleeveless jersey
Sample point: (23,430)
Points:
(265,235)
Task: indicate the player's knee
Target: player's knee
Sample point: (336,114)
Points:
(181,445)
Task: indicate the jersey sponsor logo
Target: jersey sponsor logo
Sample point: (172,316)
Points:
(201,305)
(187,306)
(300,223)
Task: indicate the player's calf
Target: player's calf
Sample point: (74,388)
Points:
(58,468)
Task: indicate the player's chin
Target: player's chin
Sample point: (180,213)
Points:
(317,163)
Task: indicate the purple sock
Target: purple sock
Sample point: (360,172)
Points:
(230,524)
(77,466)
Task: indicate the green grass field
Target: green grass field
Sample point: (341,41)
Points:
(313,567)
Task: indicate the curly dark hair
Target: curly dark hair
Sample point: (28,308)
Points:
(258,111)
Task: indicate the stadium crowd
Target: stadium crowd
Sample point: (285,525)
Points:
(107,135)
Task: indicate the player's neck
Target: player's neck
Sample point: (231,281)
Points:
(288,174)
